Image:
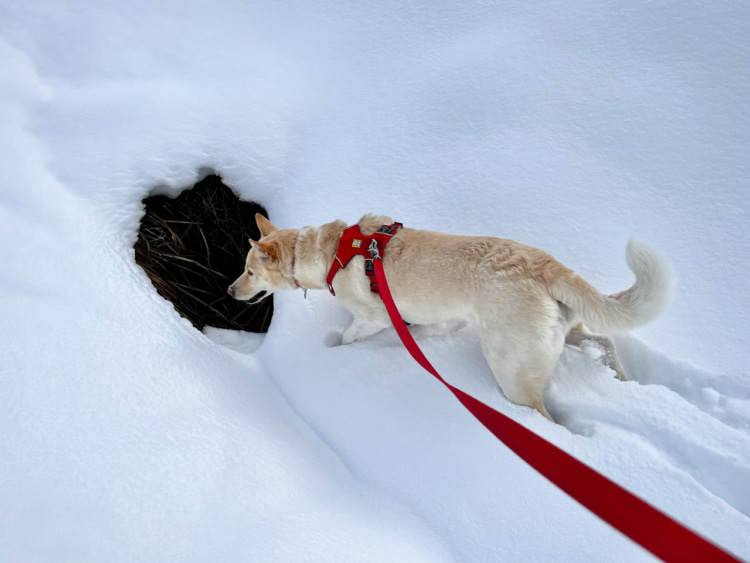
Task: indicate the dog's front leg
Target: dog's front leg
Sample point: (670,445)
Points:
(362,328)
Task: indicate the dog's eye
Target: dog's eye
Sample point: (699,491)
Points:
(249,272)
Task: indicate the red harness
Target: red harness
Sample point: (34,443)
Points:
(354,243)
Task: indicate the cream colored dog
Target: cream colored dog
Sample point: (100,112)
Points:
(526,304)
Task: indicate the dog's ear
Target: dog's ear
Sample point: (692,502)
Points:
(265,250)
(264,225)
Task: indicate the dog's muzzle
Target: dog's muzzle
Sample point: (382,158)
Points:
(252,300)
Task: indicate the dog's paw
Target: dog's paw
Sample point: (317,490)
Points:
(333,339)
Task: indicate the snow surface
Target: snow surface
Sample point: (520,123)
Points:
(129,436)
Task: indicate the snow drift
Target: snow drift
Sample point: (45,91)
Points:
(127,435)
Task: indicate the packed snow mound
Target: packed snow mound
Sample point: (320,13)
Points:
(129,435)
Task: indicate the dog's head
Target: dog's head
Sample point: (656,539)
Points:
(269,258)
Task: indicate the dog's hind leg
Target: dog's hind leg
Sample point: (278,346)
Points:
(580,334)
(521,367)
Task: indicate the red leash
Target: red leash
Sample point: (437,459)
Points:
(649,527)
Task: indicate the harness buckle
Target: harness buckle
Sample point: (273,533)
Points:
(370,273)
(390,230)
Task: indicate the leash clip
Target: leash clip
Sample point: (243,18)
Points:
(373,249)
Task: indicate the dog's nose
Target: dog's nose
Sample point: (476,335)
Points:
(230,291)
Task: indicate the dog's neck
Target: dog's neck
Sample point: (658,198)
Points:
(314,252)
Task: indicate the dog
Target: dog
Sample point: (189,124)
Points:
(526,304)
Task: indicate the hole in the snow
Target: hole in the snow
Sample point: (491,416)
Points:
(193,246)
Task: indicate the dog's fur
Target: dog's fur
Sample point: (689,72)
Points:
(526,304)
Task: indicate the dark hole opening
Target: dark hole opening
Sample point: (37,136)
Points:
(193,246)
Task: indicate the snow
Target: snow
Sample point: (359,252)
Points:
(129,436)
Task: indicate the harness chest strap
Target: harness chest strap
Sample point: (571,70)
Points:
(354,243)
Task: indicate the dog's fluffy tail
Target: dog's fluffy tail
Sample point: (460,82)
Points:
(643,302)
